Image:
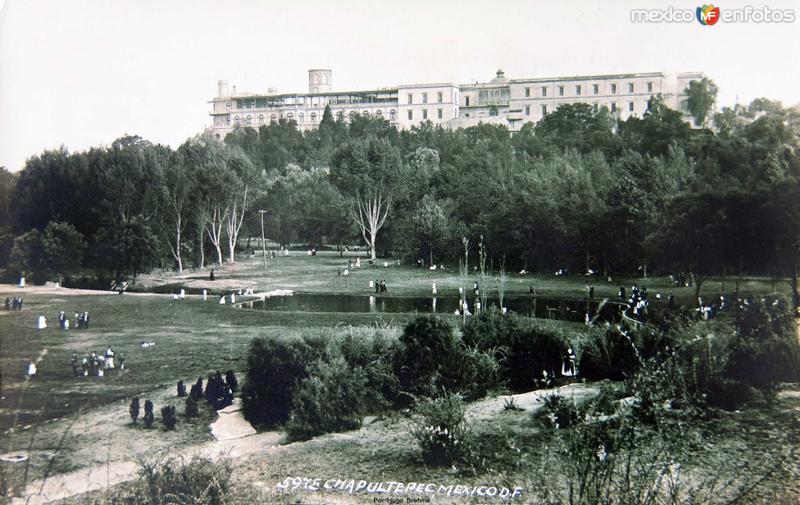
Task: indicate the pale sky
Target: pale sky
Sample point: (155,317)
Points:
(84,72)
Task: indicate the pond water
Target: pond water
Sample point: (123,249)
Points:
(548,308)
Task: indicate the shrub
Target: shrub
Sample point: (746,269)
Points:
(198,481)
(330,399)
(477,372)
(605,403)
(168,417)
(490,329)
(373,355)
(535,350)
(560,412)
(441,430)
(274,367)
(765,349)
(609,355)
(430,348)
(148,414)
(523,348)
(134,409)
(191,407)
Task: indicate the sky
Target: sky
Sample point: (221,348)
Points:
(81,73)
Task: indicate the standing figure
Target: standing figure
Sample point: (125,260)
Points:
(74,363)
(211,275)
(109,358)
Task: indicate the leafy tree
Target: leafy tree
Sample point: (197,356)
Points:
(27,254)
(64,247)
(367,170)
(702,95)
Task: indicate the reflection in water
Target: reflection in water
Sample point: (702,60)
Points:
(549,308)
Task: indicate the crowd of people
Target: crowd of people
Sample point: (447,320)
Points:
(96,364)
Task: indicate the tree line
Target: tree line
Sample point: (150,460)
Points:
(580,190)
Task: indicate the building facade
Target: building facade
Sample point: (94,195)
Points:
(503,101)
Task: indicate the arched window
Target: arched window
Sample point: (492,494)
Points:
(302,117)
(379,113)
(249,120)
(353,114)
(340,116)
(236,120)
(365,113)
(392,115)
(273,118)
(290,116)
(261,119)
(313,117)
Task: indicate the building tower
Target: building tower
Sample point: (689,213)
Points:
(222,89)
(319,80)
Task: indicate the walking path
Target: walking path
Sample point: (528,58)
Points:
(235,438)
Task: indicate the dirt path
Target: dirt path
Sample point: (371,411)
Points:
(101,477)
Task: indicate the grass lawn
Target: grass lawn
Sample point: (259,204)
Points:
(83,420)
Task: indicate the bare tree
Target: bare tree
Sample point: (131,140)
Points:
(214,216)
(177,193)
(233,222)
(370,214)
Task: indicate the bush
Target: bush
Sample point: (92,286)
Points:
(523,348)
(168,417)
(560,412)
(441,430)
(609,355)
(148,414)
(191,407)
(535,350)
(373,355)
(490,329)
(274,367)
(430,348)
(134,409)
(433,358)
(765,350)
(199,482)
(330,399)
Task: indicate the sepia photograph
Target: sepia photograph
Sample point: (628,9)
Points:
(418,252)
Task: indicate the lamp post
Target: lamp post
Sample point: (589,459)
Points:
(263,242)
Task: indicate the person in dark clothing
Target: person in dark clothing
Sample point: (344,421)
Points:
(211,275)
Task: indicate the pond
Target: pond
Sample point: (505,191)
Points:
(567,309)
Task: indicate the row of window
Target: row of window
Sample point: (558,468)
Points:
(301,117)
(579,89)
(595,106)
(439,98)
(439,114)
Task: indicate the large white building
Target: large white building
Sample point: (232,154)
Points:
(509,102)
